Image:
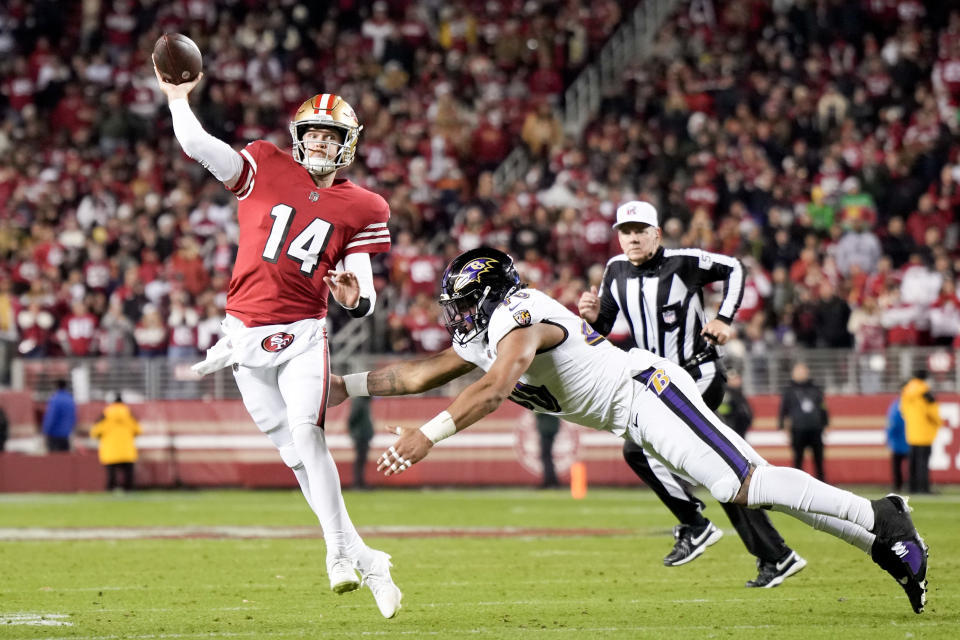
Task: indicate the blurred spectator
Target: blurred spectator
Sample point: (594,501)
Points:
(945,315)
(832,316)
(78,331)
(804,412)
(115,335)
(897,443)
(921,417)
(897,243)
(60,418)
(8,327)
(116,430)
(735,410)
(151,333)
(698,127)
(541,130)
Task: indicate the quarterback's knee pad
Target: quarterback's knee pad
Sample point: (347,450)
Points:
(283,441)
(725,489)
(290,457)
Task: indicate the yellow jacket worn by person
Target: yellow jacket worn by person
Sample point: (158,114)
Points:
(116,432)
(921,414)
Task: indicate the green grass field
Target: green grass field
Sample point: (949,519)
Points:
(496,582)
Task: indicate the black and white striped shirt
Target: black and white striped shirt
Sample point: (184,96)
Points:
(662,299)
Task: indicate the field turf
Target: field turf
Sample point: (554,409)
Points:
(517,564)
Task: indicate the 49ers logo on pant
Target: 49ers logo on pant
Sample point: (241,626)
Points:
(277,342)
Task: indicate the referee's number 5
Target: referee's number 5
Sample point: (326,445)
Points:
(660,381)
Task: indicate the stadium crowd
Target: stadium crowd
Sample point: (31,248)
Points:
(816,140)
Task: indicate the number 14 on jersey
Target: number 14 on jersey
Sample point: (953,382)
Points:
(306,248)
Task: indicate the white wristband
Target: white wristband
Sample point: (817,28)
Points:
(356,384)
(440,426)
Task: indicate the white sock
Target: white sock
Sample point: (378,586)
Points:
(847,531)
(322,490)
(795,489)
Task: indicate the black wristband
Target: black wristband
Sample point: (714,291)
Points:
(362,308)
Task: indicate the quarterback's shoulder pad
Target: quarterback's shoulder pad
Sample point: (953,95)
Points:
(370,214)
(367,205)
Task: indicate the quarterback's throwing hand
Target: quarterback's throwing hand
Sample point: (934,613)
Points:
(411,447)
(175,91)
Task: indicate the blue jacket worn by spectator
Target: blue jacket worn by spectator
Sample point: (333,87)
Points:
(896,429)
(61,415)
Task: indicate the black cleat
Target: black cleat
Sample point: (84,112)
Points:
(691,542)
(899,549)
(771,574)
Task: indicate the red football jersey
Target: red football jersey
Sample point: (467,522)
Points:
(291,233)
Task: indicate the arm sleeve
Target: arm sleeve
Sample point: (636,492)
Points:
(716,266)
(359,263)
(215,155)
(609,308)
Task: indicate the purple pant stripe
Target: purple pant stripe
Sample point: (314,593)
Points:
(678,403)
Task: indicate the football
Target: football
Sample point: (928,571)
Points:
(177,58)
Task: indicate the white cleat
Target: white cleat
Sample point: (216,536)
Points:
(343,577)
(378,579)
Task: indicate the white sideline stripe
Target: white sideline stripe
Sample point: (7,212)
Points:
(664,630)
(8,534)
(466,440)
(35,619)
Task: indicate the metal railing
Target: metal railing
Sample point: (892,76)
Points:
(838,371)
(628,44)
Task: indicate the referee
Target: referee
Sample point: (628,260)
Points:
(660,292)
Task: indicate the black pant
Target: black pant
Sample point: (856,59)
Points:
(919,469)
(55,443)
(546,458)
(804,439)
(898,460)
(362,449)
(120,468)
(753,525)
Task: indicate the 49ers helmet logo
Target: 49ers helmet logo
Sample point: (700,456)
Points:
(277,342)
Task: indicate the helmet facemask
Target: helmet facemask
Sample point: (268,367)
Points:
(328,111)
(473,286)
(321,165)
(465,317)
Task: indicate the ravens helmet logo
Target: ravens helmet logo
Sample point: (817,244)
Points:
(472,272)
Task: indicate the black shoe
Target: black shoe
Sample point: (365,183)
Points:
(691,542)
(771,574)
(899,550)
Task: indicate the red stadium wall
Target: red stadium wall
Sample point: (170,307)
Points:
(197,443)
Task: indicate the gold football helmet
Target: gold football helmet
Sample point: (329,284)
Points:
(325,110)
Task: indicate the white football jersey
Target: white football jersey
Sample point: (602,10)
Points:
(584,379)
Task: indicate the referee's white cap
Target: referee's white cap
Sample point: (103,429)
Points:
(637,211)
